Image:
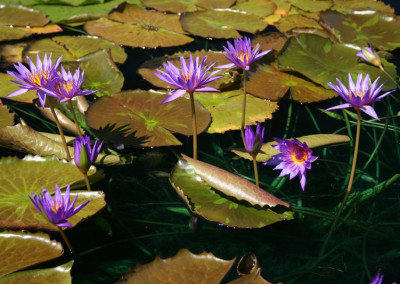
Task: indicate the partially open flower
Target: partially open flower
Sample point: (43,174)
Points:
(254,141)
(370,56)
(84,154)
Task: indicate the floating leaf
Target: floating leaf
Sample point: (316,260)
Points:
(133,26)
(295,21)
(180,6)
(20,178)
(10,54)
(7,33)
(316,140)
(221,23)
(6,118)
(274,40)
(260,8)
(48,29)
(137,118)
(60,275)
(22,249)
(323,61)
(347,6)
(271,84)
(7,87)
(225,198)
(226,109)
(15,15)
(312,5)
(199,268)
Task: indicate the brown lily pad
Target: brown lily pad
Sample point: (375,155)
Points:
(270,40)
(346,6)
(296,21)
(181,6)
(16,15)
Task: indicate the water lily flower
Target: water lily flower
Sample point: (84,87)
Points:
(241,55)
(295,158)
(359,95)
(36,77)
(370,56)
(59,209)
(84,154)
(188,79)
(378,278)
(254,141)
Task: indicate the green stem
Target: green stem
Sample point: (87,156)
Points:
(255,171)
(61,133)
(194,124)
(71,249)
(75,119)
(244,104)
(85,177)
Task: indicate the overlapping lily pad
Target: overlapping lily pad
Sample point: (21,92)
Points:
(16,15)
(223,23)
(199,268)
(22,249)
(137,118)
(226,109)
(7,87)
(133,26)
(260,8)
(323,61)
(7,33)
(180,6)
(312,5)
(6,118)
(347,6)
(225,198)
(270,40)
(271,84)
(20,178)
(296,21)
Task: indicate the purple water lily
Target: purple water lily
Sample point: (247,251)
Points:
(254,141)
(188,79)
(36,77)
(84,154)
(368,54)
(378,278)
(59,209)
(359,95)
(241,55)
(295,158)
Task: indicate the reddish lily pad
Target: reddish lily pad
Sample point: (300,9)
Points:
(20,178)
(22,249)
(271,84)
(274,40)
(7,87)
(347,6)
(137,118)
(225,198)
(15,15)
(180,6)
(47,29)
(222,23)
(60,275)
(199,268)
(226,109)
(7,33)
(260,8)
(6,118)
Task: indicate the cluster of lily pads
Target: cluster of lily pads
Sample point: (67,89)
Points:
(319,50)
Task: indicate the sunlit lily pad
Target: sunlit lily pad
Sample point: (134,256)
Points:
(225,198)
(60,275)
(180,6)
(226,109)
(22,249)
(137,118)
(260,8)
(323,61)
(15,15)
(19,178)
(199,268)
(7,33)
(147,69)
(7,87)
(6,117)
(72,2)
(47,29)
(316,140)
(133,26)
(312,5)
(271,84)
(346,6)
(295,21)
(221,23)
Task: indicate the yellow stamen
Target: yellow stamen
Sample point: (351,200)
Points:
(66,85)
(299,156)
(35,77)
(55,206)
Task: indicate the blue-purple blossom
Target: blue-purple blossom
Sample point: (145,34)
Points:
(254,141)
(36,77)
(378,278)
(241,55)
(359,95)
(368,54)
(59,209)
(295,158)
(85,154)
(188,79)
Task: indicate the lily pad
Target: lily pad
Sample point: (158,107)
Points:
(7,87)
(20,178)
(271,84)
(346,6)
(225,198)
(260,8)
(15,15)
(180,6)
(312,5)
(133,26)
(6,118)
(137,118)
(358,27)
(60,275)
(323,61)
(199,268)
(7,33)
(296,21)
(221,23)
(270,40)
(22,249)
(47,29)
(10,54)
(313,141)
(226,109)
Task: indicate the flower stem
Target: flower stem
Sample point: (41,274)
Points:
(71,249)
(85,177)
(61,133)
(244,103)
(255,171)
(75,118)
(194,126)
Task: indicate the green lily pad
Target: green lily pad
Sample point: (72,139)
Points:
(199,268)
(271,84)
(147,69)
(181,6)
(20,178)
(60,275)
(323,61)
(137,118)
(72,2)
(313,141)
(226,109)
(15,15)
(260,8)
(22,249)
(358,27)
(7,33)
(312,5)
(296,21)
(6,118)
(133,26)
(346,6)
(221,23)
(7,87)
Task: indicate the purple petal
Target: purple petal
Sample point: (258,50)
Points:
(370,111)
(176,94)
